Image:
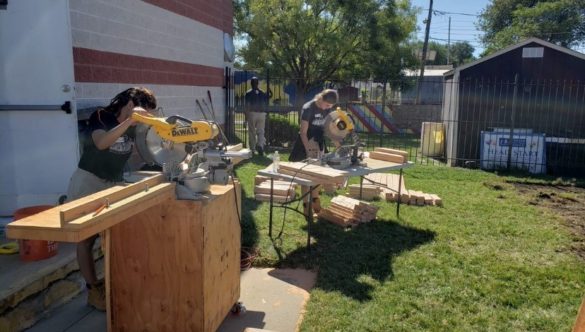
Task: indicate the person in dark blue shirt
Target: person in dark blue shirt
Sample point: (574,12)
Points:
(256,102)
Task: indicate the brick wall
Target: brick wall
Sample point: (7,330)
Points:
(175,48)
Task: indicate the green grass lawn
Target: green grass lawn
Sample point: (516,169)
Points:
(486,261)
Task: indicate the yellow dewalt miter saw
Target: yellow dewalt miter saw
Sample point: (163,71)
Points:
(189,152)
(178,129)
(338,127)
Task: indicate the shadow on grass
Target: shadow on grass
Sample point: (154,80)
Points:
(344,257)
(250,235)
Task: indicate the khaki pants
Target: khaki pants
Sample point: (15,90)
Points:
(256,125)
(83,183)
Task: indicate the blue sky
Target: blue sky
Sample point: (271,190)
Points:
(462,26)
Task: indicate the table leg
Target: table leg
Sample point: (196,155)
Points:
(309,217)
(399,195)
(271,206)
(361,185)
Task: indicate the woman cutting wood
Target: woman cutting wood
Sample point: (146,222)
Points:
(107,148)
(311,140)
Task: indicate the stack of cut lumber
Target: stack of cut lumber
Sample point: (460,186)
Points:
(346,211)
(391,155)
(282,191)
(316,173)
(389,184)
(369,191)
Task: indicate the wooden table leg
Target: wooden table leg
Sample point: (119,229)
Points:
(107,260)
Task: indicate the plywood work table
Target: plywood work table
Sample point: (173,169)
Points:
(371,166)
(170,265)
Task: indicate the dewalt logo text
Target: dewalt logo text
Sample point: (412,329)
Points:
(184,131)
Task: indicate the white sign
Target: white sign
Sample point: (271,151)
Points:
(528,151)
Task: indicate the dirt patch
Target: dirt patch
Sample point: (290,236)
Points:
(565,201)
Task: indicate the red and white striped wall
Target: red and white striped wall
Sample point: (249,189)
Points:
(173,47)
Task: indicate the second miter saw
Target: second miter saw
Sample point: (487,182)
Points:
(339,127)
(189,152)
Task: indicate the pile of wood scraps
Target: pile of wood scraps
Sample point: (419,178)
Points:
(346,211)
(368,191)
(316,173)
(282,191)
(389,184)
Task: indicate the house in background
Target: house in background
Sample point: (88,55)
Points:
(431,90)
(60,57)
(530,87)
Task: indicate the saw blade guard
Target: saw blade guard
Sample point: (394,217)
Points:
(155,150)
(338,125)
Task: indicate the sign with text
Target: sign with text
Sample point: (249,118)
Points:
(528,151)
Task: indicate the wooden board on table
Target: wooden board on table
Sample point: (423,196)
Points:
(328,173)
(47,224)
(235,147)
(89,204)
(395,158)
(402,153)
(315,179)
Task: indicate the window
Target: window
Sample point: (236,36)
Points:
(532,52)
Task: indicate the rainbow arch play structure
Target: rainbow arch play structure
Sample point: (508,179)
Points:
(372,118)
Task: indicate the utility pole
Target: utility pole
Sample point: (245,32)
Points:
(424,51)
(449,41)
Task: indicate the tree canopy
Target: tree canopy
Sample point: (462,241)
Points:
(506,22)
(317,40)
(459,53)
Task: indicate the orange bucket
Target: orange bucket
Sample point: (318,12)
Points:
(34,250)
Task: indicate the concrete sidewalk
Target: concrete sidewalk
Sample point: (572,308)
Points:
(274,300)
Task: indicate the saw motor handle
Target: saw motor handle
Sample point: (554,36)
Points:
(169,129)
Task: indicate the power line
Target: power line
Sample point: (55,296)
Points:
(442,12)
(439,12)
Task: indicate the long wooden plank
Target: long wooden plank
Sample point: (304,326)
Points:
(90,204)
(46,226)
(315,179)
(395,158)
(313,170)
(393,151)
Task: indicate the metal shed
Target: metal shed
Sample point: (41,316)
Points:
(530,87)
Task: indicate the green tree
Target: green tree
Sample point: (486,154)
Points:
(461,53)
(316,40)
(439,50)
(506,22)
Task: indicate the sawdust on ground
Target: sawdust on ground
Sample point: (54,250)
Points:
(568,202)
